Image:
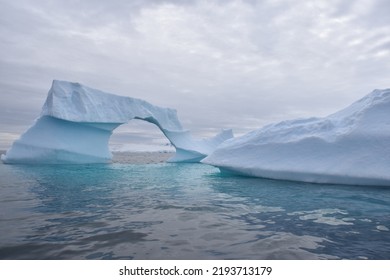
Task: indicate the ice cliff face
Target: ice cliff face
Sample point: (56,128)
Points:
(76,123)
(351,146)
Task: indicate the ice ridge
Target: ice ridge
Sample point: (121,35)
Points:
(350,146)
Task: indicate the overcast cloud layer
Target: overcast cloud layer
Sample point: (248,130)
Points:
(221,64)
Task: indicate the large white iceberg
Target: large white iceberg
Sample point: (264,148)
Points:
(76,123)
(351,146)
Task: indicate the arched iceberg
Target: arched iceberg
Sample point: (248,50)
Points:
(76,123)
(351,146)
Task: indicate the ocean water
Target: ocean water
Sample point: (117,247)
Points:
(184,211)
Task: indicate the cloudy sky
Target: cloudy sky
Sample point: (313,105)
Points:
(222,64)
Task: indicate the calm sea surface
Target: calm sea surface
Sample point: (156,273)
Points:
(184,211)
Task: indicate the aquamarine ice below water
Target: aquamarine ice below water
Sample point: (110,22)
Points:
(184,211)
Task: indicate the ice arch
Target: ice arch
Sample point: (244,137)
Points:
(77,121)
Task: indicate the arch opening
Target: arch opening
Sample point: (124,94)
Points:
(139,136)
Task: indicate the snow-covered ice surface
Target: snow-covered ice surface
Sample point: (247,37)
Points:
(76,123)
(351,146)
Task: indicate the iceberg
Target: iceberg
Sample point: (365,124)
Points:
(77,121)
(351,146)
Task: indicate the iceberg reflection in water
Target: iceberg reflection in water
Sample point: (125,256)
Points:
(184,211)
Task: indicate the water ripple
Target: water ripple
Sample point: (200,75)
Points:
(187,211)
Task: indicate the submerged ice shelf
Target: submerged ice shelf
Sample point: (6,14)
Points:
(77,121)
(351,146)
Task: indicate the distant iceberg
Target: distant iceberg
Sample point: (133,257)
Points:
(351,146)
(76,123)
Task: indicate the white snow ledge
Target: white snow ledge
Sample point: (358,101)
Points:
(351,146)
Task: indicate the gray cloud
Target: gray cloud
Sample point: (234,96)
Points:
(221,64)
